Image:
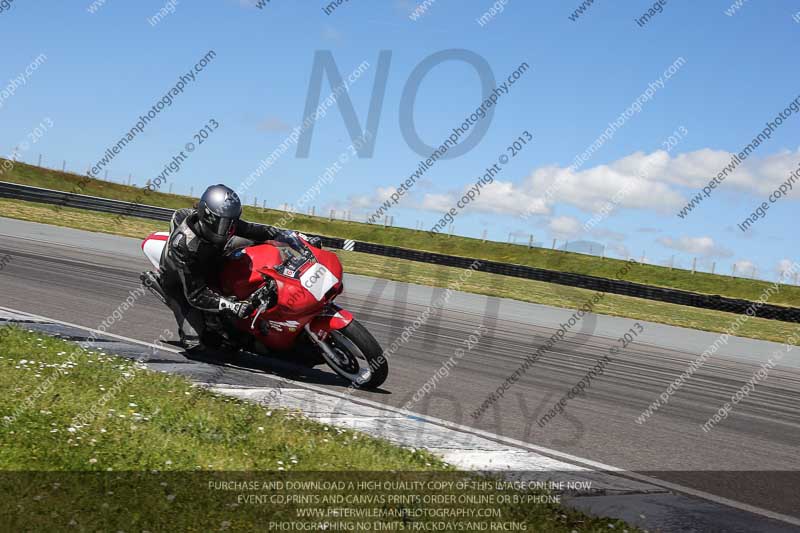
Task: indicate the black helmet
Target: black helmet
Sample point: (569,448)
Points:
(218,211)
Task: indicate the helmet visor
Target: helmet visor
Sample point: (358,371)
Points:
(224,227)
(220,227)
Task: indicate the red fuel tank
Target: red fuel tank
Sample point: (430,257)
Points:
(242,272)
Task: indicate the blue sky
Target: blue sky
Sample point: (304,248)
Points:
(104,69)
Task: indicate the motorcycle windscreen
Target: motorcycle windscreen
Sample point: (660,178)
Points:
(318,280)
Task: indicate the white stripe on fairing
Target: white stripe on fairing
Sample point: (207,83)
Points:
(152,249)
(318,280)
(523,446)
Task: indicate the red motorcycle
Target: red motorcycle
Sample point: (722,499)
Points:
(308,280)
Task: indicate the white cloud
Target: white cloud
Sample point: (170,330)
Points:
(655,182)
(497,197)
(438,202)
(786,265)
(593,188)
(744,268)
(384,193)
(361,201)
(504,197)
(703,246)
(564,226)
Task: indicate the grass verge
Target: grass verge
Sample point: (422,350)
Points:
(441,276)
(156,449)
(420,240)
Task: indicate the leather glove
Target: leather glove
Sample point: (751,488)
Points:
(240,309)
(314,241)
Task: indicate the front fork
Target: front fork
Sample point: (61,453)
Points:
(321,344)
(318,330)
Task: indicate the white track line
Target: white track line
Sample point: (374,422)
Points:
(451,425)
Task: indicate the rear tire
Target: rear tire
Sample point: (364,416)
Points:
(367,368)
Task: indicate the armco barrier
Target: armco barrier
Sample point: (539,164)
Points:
(80,201)
(627,288)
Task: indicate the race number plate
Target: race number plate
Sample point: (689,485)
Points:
(318,280)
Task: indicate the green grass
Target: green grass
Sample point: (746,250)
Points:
(440,276)
(420,240)
(144,459)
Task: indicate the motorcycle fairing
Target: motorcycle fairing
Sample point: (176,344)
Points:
(331,319)
(154,245)
(318,280)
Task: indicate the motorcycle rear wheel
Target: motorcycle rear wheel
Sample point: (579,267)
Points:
(359,358)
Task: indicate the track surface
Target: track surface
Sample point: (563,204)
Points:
(751,457)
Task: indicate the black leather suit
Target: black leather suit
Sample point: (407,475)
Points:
(190,262)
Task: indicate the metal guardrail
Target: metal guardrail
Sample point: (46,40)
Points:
(627,288)
(80,201)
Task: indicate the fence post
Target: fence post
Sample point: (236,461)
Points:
(483,238)
(255,201)
(332,214)
(694,264)
(554,244)
(40,161)
(64,165)
(733,270)
(191,191)
(450,231)
(530,241)
(313,210)
(713,266)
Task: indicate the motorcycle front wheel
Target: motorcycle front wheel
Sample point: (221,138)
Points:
(356,356)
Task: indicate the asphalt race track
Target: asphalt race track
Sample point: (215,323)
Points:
(751,457)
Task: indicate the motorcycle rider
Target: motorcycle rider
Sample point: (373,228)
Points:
(198,239)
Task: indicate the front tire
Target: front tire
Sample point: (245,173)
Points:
(359,357)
